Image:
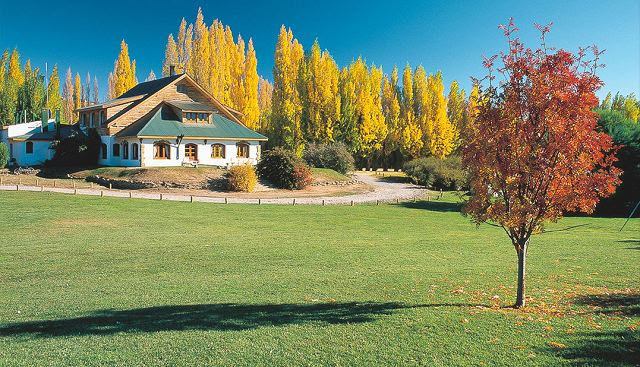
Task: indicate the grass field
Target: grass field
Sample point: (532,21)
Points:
(106,281)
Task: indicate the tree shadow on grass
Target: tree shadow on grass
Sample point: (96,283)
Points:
(617,303)
(224,317)
(435,206)
(603,349)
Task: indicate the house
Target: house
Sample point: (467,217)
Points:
(30,142)
(171,121)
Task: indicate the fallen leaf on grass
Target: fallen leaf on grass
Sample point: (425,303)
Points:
(557,345)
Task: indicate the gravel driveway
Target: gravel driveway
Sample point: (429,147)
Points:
(384,190)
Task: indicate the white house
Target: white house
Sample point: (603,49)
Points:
(30,143)
(170,122)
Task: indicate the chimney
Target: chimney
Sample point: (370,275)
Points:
(172,70)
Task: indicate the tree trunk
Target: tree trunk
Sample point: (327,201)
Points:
(521,250)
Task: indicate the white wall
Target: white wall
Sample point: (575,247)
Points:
(177,156)
(204,153)
(18,149)
(41,152)
(119,161)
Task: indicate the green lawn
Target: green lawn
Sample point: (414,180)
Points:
(107,281)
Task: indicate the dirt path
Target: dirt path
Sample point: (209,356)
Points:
(385,189)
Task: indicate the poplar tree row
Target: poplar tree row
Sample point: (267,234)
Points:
(218,62)
(22,90)
(380,118)
(76,94)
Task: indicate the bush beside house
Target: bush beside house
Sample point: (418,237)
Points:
(242,178)
(4,155)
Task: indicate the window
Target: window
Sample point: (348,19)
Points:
(134,151)
(191,152)
(29,147)
(125,150)
(116,150)
(103,150)
(103,116)
(161,150)
(182,88)
(196,117)
(217,151)
(243,150)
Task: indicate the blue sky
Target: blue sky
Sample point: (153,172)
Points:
(450,36)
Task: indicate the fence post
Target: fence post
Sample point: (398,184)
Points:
(294,201)
(130,195)
(377,202)
(322,202)
(226,201)
(17,187)
(191,198)
(101,193)
(259,201)
(75,191)
(54,183)
(351,202)
(160,196)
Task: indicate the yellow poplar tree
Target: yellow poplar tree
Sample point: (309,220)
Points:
(321,100)
(265,95)
(286,106)
(124,71)
(201,53)
(455,111)
(362,93)
(53,89)
(391,110)
(237,57)
(251,109)
(68,97)
(77,92)
(441,139)
(182,57)
(411,133)
(188,51)
(422,105)
(15,72)
(170,56)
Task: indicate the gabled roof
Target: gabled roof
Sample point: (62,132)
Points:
(111,103)
(150,87)
(163,122)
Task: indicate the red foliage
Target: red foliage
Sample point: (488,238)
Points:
(302,176)
(533,150)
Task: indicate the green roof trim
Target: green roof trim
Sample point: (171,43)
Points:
(163,122)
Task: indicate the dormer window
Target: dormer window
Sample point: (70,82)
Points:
(196,117)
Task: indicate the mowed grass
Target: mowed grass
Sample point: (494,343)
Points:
(106,281)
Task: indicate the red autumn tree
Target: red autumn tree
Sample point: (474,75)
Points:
(533,151)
